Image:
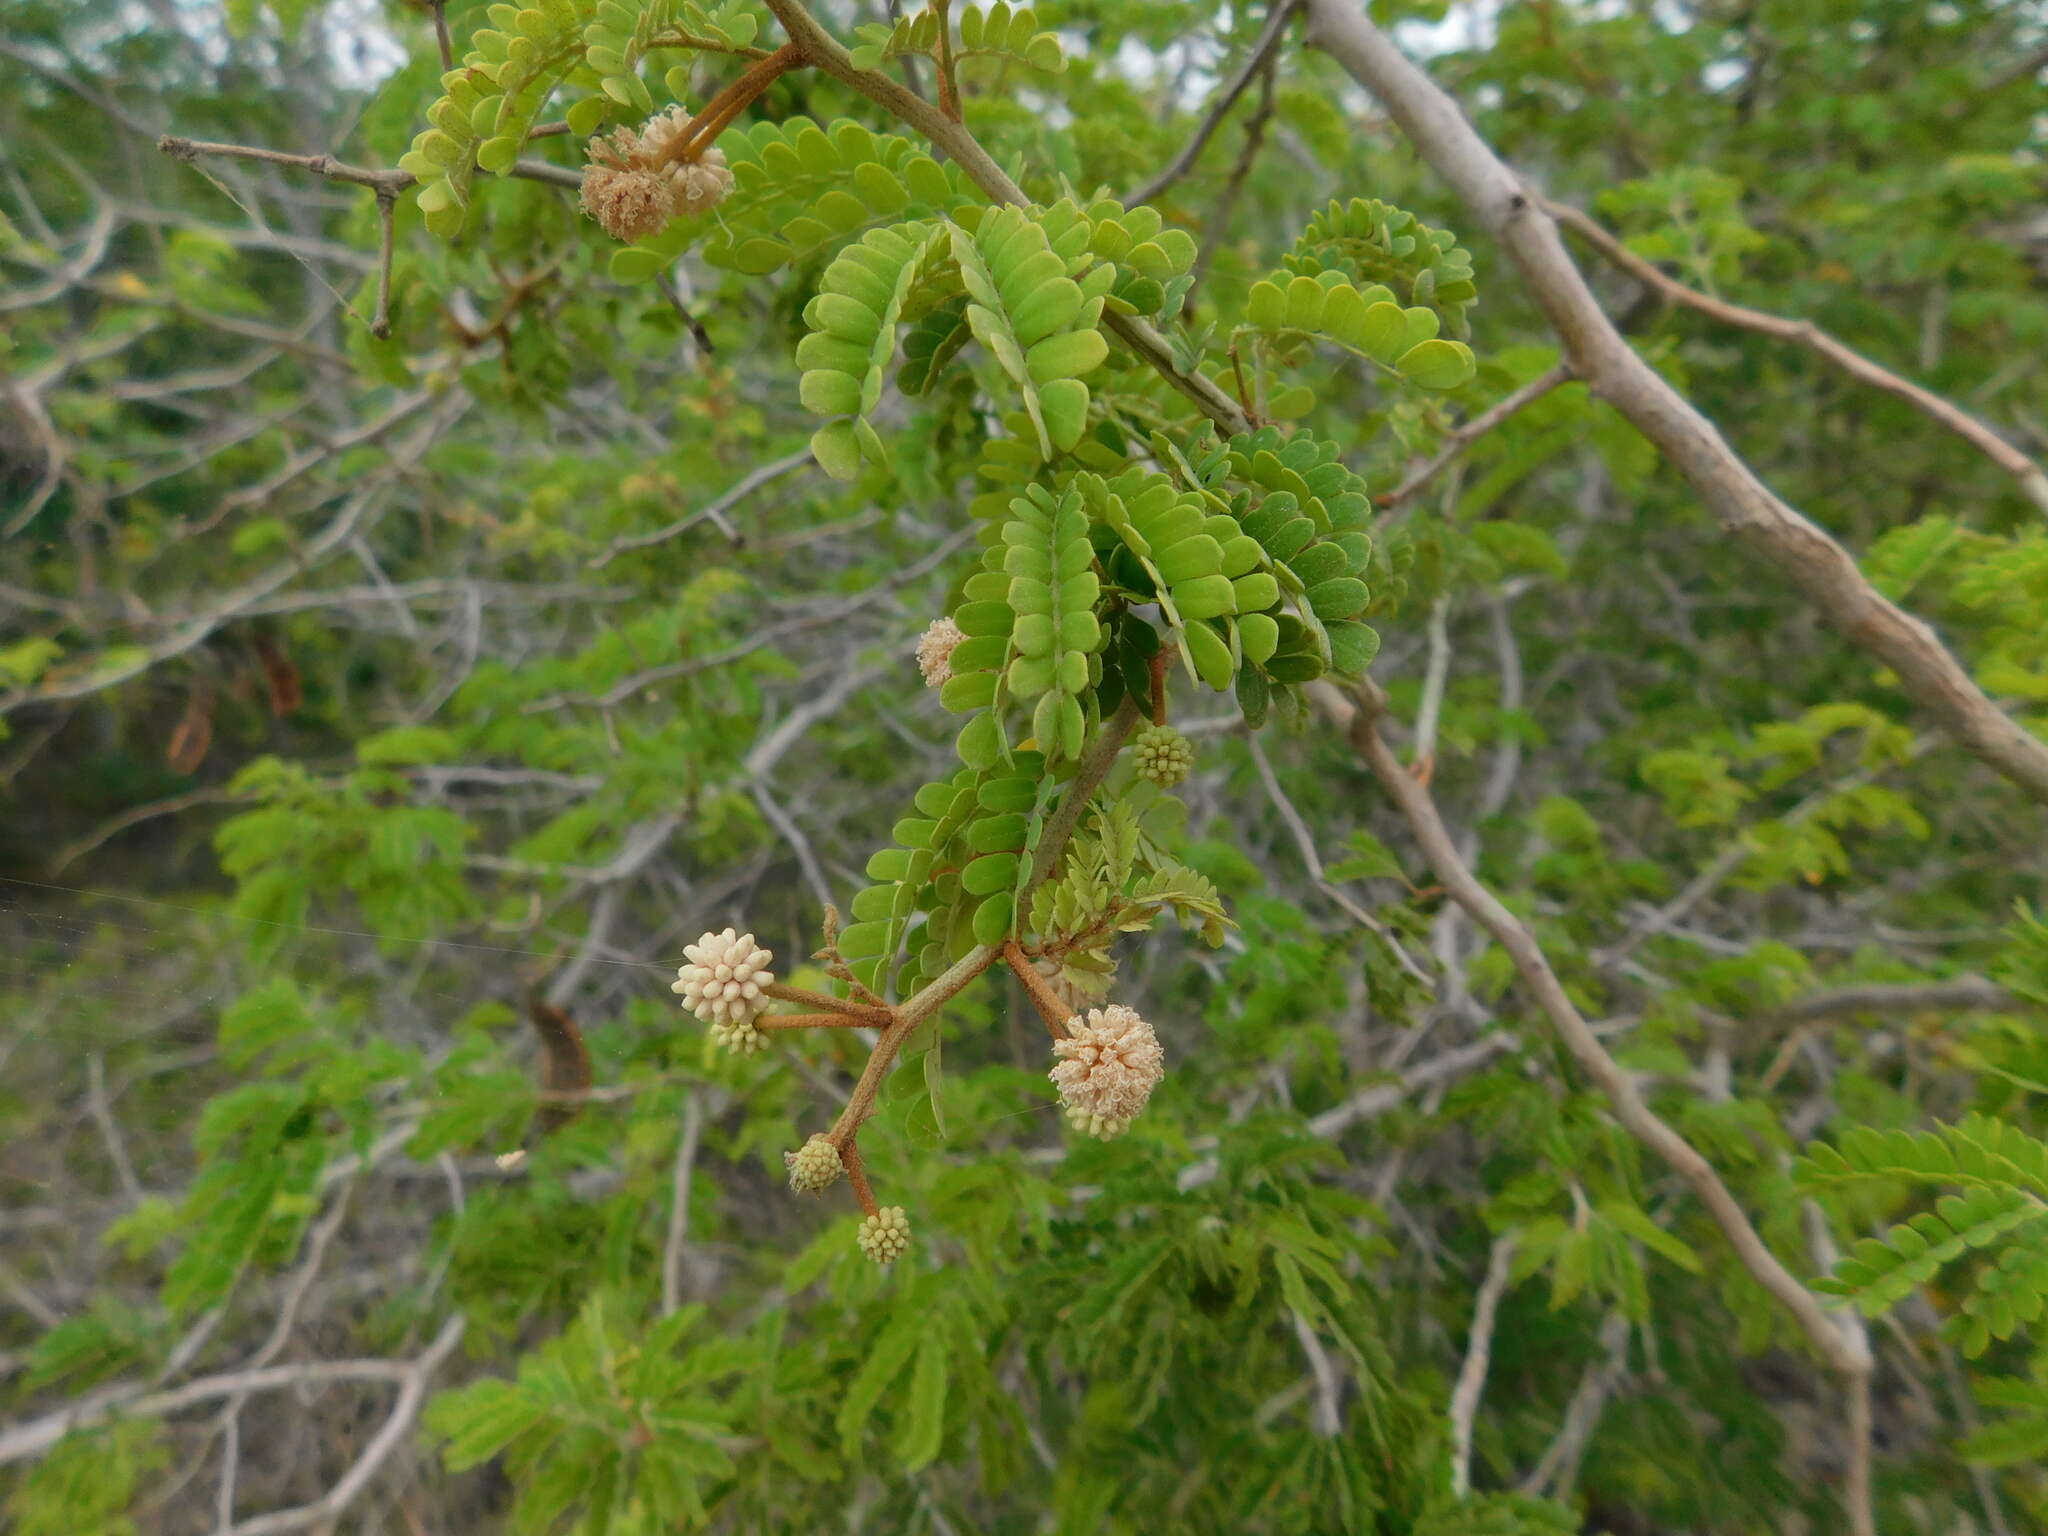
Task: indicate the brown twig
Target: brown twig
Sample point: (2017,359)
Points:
(1600,355)
(391,182)
(773,1021)
(387,219)
(720,111)
(441,37)
(1157,667)
(949,79)
(1050,1008)
(860,1013)
(1218,222)
(857,1176)
(1262,50)
(2033,482)
(1458,439)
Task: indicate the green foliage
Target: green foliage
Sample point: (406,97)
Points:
(995,32)
(420,679)
(607,1418)
(88,1483)
(2004,1173)
(1374,243)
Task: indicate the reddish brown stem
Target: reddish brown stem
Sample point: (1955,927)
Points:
(1159,665)
(807,1021)
(949,87)
(862,1102)
(720,110)
(1050,1008)
(857,1176)
(864,1013)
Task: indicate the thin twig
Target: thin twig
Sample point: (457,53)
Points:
(412,1391)
(1559,1468)
(386,182)
(387,219)
(1328,1418)
(711,511)
(38,1435)
(1426,824)
(760,639)
(2033,482)
(1478,1356)
(1218,223)
(698,334)
(1304,841)
(1262,49)
(1460,438)
(441,37)
(1054,1012)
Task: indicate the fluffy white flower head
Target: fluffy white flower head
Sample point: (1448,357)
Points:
(702,183)
(658,137)
(1108,1066)
(631,204)
(935,652)
(885,1236)
(636,182)
(722,984)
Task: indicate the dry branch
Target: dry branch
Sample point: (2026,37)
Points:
(1602,357)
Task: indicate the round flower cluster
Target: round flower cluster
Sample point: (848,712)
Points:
(1108,1066)
(815,1166)
(935,652)
(636,182)
(885,1236)
(1164,755)
(722,984)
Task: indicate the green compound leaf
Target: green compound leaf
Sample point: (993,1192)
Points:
(1367,322)
(852,340)
(1034,320)
(1052,591)
(1369,242)
(996,33)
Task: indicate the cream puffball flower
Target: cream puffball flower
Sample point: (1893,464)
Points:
(935,652)
(722,982)
(1108,1066)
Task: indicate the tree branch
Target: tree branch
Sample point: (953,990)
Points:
(1478,1355)
(1263,49)
(1462,437)
(1413,801)
(1745,506)
(2032,481)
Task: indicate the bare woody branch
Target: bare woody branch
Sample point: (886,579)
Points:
(1846,1353)
(1602,357)
(1463,437)
(2032,480)
(1263,49)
